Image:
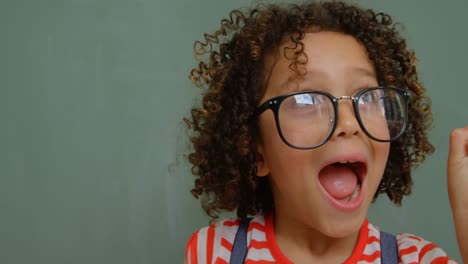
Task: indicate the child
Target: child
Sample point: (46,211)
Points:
(311,112)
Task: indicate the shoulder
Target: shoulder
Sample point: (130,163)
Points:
(215,241)
(414,249)
(411,248)
(211,239)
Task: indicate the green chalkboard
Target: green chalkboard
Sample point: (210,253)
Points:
(92,95)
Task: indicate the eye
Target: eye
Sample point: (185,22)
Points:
(304,99)
(368,98)
(302,103)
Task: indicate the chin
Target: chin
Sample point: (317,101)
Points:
(343,226)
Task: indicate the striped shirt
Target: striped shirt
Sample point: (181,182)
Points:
(213,245)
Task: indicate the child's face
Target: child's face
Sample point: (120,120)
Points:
(308,190)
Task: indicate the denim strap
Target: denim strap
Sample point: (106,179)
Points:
(239,247)
(388,248)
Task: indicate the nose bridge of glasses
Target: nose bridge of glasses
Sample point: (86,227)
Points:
(345,97)
(346,112)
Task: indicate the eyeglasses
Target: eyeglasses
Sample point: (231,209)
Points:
(307,119)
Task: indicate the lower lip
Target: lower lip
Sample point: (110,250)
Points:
(346,206)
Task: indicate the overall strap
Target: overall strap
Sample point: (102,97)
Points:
(388,248)
(239,247)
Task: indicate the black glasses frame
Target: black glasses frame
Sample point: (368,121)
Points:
(275,103)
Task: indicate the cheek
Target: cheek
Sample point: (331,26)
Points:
(384,151)
(281,158)
(381,152)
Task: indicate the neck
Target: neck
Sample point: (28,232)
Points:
(302,243)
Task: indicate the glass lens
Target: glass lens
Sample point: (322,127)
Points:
(306,119)
(382,112)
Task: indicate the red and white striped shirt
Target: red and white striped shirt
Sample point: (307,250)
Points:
(213,245)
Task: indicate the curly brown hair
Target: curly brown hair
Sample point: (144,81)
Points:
(223,130)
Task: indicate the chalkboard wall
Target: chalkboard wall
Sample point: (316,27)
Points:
(92,96)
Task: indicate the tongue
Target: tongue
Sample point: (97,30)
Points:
(339,181)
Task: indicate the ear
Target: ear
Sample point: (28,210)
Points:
(262,165)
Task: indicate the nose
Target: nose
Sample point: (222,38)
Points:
(347,123)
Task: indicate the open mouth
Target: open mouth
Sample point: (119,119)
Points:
(343,182)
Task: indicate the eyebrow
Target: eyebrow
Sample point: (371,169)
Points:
(364,71)
(285,86)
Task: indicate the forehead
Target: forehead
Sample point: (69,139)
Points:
(331,58)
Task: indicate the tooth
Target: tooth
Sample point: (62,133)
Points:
(354,194)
